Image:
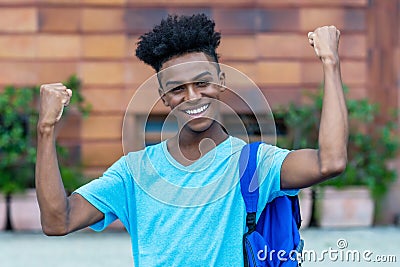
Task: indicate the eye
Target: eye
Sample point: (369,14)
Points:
(202,84)
(177,89)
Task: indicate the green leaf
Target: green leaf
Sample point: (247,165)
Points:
(372,142)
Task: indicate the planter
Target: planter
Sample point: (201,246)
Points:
(348,207)
(305,199)
(2,212)
(25,214)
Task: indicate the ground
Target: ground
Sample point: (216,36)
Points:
(85,249)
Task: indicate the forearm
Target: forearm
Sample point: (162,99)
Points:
(333,131)
(50,190)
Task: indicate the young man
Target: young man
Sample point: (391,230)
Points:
(180,200)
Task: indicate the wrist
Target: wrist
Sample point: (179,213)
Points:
(44,128)
(330,61)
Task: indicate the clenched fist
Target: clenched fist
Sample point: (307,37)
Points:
(53,98)
(325,41)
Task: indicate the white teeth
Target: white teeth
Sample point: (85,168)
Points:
(196,111)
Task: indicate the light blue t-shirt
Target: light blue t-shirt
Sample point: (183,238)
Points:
(183,216)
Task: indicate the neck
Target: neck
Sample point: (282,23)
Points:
(188,146)
(189,138)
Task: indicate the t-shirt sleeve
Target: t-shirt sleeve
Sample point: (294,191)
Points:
(269,163)
(108,194)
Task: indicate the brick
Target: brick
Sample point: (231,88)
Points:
(234,102)
(240,74)
(71,2)
(17,1)
(69,127)
(108,100)
(304,98)
(354,72)
(311,72)
(102,20)
(102,127)
(282,45)
(186,10)
(279,19)
(358,3)
(59,46)
(357,93)
(103,73)
(311,18)
(18,73)
(140,20)
(280,97)
(101,153)
(279,72)
(104,2)
(185,3)
(238,47)
(59,19)
(353,45)
(137,72)
(52,72)
(146,2)
(145,100)
(104,46)
(17,46)
(396,64)
(18,20)
(131,44)
(245,101)
(355,19)
(203,2)
(235,20)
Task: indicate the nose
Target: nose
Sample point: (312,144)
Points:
(191,92)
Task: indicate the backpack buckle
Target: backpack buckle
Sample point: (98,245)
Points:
(251,221)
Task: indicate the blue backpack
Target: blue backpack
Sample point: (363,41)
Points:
(273,240)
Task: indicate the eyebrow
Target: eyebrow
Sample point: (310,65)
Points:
(193,79)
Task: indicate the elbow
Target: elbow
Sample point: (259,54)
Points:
(334,168)
(52,230)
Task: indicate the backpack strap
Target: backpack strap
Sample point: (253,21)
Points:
(249,182)
(280,219)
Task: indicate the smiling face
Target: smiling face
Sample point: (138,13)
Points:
(191,85)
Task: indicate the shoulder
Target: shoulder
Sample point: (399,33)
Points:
(268,150)
(148,150)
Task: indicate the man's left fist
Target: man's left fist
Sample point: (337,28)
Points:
(325,41)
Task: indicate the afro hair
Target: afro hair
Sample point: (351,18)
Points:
(176,36)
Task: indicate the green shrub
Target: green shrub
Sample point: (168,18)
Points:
(372,141)
(18,119)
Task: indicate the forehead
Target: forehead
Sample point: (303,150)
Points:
(186,68)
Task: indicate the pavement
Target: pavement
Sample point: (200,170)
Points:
(371,247)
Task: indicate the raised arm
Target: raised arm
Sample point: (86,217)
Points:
(305,167)
(60,215)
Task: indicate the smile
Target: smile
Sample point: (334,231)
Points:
(197,110)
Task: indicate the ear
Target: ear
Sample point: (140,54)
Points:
(221,77)
(162,96)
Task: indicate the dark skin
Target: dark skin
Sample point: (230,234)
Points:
(194,104)
(186,87)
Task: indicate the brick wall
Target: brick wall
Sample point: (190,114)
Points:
(45,41)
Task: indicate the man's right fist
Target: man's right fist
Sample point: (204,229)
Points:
(53,98)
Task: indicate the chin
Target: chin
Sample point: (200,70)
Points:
(199,125)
